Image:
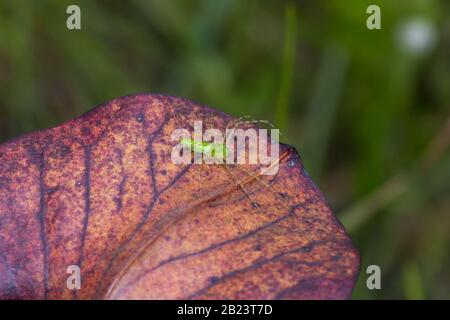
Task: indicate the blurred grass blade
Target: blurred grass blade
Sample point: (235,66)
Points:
(288,65)
(428,168)
(322,107)
(412,282)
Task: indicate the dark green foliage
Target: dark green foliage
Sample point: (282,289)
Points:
(370,119)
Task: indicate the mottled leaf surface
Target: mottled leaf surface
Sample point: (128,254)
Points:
(101,192)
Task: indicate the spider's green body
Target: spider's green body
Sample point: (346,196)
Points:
(214,150)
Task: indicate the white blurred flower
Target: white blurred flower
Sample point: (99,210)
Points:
(416,36)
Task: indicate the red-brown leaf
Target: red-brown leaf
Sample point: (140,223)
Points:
(101,192)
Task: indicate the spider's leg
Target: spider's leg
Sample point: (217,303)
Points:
(243,188)
(239,121)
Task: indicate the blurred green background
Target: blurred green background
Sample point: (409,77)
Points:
(367,109)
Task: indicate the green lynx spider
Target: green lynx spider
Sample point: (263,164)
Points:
(211,150)
(206,148)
